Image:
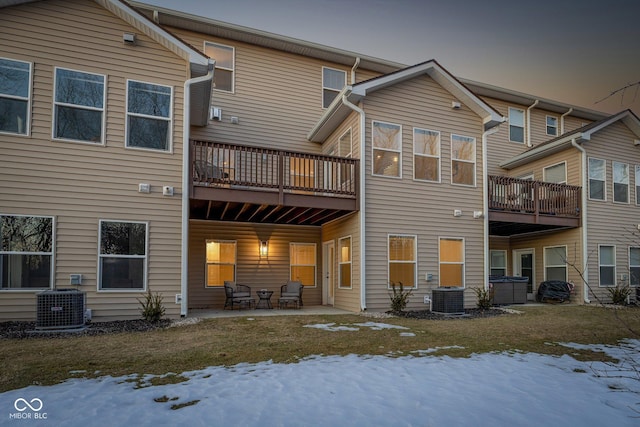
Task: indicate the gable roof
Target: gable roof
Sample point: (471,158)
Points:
(579,135)
(337,111)
(199,63)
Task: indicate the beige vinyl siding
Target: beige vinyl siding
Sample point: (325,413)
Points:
(424,209)
(497,243)
(539,125)
(570,156)
(251,270)
(612,223)
(346,298)
(82,183)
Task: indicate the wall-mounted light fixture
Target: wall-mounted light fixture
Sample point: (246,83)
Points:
(264,248)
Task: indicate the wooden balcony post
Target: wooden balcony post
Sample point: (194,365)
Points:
(281,177)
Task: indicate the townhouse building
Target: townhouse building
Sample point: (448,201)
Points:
(143,148)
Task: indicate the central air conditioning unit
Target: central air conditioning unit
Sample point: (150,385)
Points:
(447,300)
(60,309)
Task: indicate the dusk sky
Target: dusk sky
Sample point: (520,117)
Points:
(572,51)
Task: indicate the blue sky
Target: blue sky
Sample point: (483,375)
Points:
(568,50)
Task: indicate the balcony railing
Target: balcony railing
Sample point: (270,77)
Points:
(253,168)
(533,197)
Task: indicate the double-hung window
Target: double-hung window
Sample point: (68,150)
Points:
(15,95)
(552,126)
(498,263)
(402,259)
(516,125)
(344,264)
(332,83)
(451,262)
(302,258)
(387,149)
(634,266)
(637,179)
(463,160)
(26,252)
(556,174)
(149,116)
(607,263)
(123,255)
(555,263)
(79,106)
(221,262)
(620,182)
(426,155)
(597,177)
(223,77)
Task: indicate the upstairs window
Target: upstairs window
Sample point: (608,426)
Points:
(26,252)
(597,177)
(426,155)
(148,116)
(15,95)
(332,83)
(637,184)
(556,174)
(516,125)
(620,182)
(223,76)
(463,160)
(552,126)
(387,149)
(123,255)
(79,106)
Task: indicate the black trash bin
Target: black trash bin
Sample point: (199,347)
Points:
(508,289)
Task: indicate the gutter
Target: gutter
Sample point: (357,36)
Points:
(184,242)
(485,202)
(585,273)
(363,299)
(529,144)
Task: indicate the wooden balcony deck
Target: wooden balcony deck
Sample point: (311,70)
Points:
(519,206)
(252,184)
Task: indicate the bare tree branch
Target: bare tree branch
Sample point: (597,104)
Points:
(623,90)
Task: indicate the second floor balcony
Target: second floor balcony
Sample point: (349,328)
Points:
(252,184)
(518,206)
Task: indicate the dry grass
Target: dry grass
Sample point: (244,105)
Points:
(228,341)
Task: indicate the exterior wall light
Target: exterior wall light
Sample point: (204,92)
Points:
(264,248)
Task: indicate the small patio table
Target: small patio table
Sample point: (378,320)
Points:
(264,299)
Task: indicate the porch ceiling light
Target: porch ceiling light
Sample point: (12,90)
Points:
(264,248)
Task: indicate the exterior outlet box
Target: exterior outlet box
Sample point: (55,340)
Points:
(427,299)
(144,188)
(75,279)
(167,191)
(178,298)
(457,212)
(428,277)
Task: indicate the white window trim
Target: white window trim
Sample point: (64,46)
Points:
(544,172)
(547,126)
(524,126)
(330,88)
(315,265)
(630,265)
(637,183)
(506,263)
(206,263)
(464,260)
(103,109)
(613,182)
(20,98)
(350,262)
(474,162)
(604,185)
(348,131)
(615,269)
(414,262)
(399,152)
(439,156)
(169,119)
(232,70)
(145,257)
(544,261)
(53,256)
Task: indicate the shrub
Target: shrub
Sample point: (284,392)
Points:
(151,307)
(619,294)
(484,297)
(400,297)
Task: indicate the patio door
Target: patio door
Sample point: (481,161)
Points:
(524,266)
(328,276)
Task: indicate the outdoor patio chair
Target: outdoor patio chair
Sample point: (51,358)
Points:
(291,293)
(240,296)
(206,171)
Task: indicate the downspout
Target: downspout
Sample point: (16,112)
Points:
(353,71)
(186,167)
(562,120)
(485,202)
(585,274)
(363,259)
(529,144)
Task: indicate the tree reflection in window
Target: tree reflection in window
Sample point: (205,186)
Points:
(15,77)
(148,116)
(79,106)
